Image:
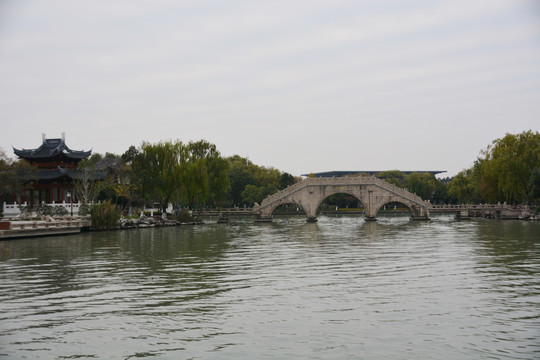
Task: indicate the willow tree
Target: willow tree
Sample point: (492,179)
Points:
(534,186)
(195,176)
(508,165)
(240,176)
(422,184)
(218,180)
(205,174)
(15,177)
(464,187)
(158,169)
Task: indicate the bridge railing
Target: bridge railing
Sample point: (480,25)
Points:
(14,210)
(369,180)
(282,193)
(400,191)
(477,206)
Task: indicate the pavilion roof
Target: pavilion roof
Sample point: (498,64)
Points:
(51,148)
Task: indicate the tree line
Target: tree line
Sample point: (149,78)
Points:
(14,176)
(508,170)
(187,175)
(195,174)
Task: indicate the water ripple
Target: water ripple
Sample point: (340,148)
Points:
(340,288)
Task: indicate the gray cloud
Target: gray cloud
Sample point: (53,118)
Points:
(301,86)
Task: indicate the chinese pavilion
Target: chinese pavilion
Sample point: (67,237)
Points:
(56,167)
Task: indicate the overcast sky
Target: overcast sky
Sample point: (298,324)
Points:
(302,86)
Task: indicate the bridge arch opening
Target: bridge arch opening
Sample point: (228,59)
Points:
(395,208)
(288,208)
(340,202)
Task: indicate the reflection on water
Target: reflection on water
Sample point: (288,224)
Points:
(339,288)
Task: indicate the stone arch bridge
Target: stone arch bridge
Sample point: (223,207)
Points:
(371,191)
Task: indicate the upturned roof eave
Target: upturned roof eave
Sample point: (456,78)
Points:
(50,149)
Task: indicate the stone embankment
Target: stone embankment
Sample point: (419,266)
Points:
(44,226)
(491,215)
(49,226)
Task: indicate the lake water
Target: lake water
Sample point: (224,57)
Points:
(341,288)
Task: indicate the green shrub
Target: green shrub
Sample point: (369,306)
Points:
(60,211)
(84,209)
(25,210)
(45,209)
(104,215)
(184,216)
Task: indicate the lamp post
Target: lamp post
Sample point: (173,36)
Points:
(70,202)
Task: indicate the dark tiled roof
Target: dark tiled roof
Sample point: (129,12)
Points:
(51,148)
(370,172)
(73,174)
(109,164)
